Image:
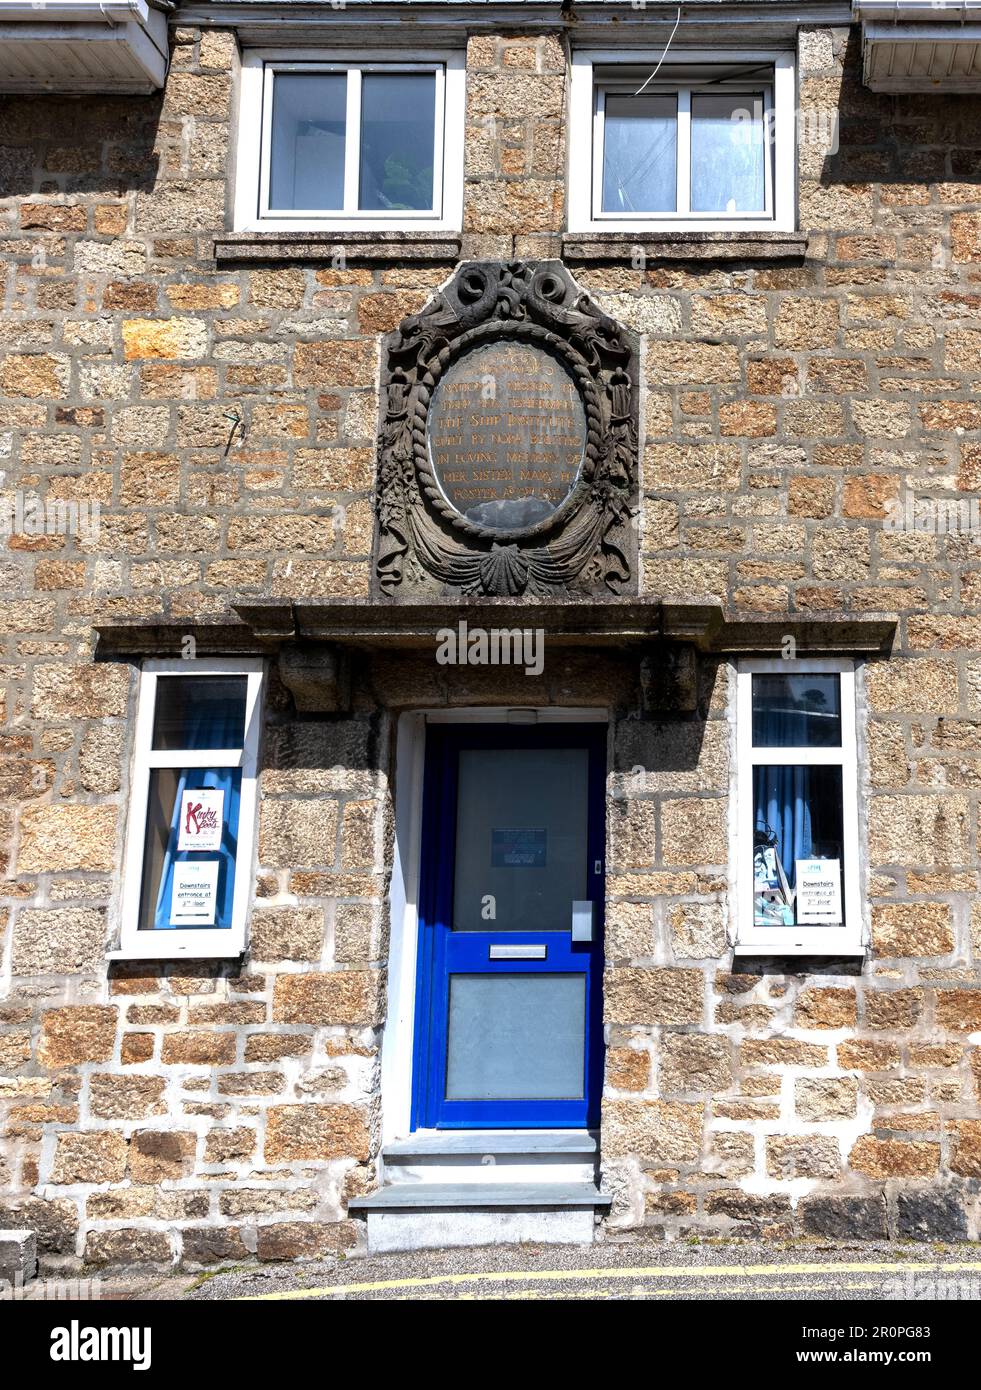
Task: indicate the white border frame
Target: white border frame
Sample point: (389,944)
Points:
(849,939)
(684,92)
(410,761)
(200,943)
(585,133)
(251,211)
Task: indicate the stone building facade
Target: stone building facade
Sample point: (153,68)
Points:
(216,393)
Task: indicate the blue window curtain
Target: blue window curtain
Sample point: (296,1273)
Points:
(782,798)
(210,729)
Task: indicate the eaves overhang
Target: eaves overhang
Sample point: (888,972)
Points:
(78,46)
(921,45)
(428,23)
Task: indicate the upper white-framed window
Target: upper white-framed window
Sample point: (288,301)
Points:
(189,841)
(797,875)
(707,143)
(362,141)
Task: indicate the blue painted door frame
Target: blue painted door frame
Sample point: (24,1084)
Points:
(443,952)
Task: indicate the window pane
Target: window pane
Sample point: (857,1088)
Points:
(516,1037)
(798,846)
(191,842)
(728,153)
(199,712)
(520,838)
(307,160)
(398,123)
(797,711)
(640,154)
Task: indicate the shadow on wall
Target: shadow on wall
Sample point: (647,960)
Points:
(893,139)
(680,752)
(84,145)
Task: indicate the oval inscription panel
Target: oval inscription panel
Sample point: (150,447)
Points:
(506,435)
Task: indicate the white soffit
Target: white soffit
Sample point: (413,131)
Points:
(921,45)
(82,46)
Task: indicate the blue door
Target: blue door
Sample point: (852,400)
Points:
(509,1008)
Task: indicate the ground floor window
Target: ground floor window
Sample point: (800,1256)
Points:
(797,807)
(192,812)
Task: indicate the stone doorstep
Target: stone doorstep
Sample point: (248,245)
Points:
(536,1143)
(476,1197)
(507,1158)
(18,1256)
(426,1216)
(393,1232)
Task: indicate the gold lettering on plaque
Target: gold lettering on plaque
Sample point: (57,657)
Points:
(507,435)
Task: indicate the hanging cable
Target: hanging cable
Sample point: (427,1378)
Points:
(667,46)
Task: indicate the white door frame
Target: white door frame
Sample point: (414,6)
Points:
(410,758)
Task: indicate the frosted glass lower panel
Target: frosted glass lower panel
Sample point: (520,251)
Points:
(516,1037)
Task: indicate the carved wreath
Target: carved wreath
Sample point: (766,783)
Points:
(585,544)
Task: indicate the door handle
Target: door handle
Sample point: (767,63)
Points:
(582,919)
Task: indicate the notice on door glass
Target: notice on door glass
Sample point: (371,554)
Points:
(818,891)
(518,849)
(195,894)
(201,819)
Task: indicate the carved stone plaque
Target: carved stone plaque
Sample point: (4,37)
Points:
(507,446)
(506,435)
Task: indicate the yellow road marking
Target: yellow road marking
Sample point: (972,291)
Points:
(710,1291)
(641,1272)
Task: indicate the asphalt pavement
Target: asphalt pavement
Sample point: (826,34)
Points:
(703,1271)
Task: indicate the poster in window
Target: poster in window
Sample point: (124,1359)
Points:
(818,891)
(201,819)
(195,893)
(518,849)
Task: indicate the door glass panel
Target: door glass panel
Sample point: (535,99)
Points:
(520,838)
(516,1037)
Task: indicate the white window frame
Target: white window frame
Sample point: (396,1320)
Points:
(214,943)
(259,69)
(586,132)
(753,940)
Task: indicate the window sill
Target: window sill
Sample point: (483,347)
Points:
(778,950)
(174,952)
(589,247)
(234,248)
